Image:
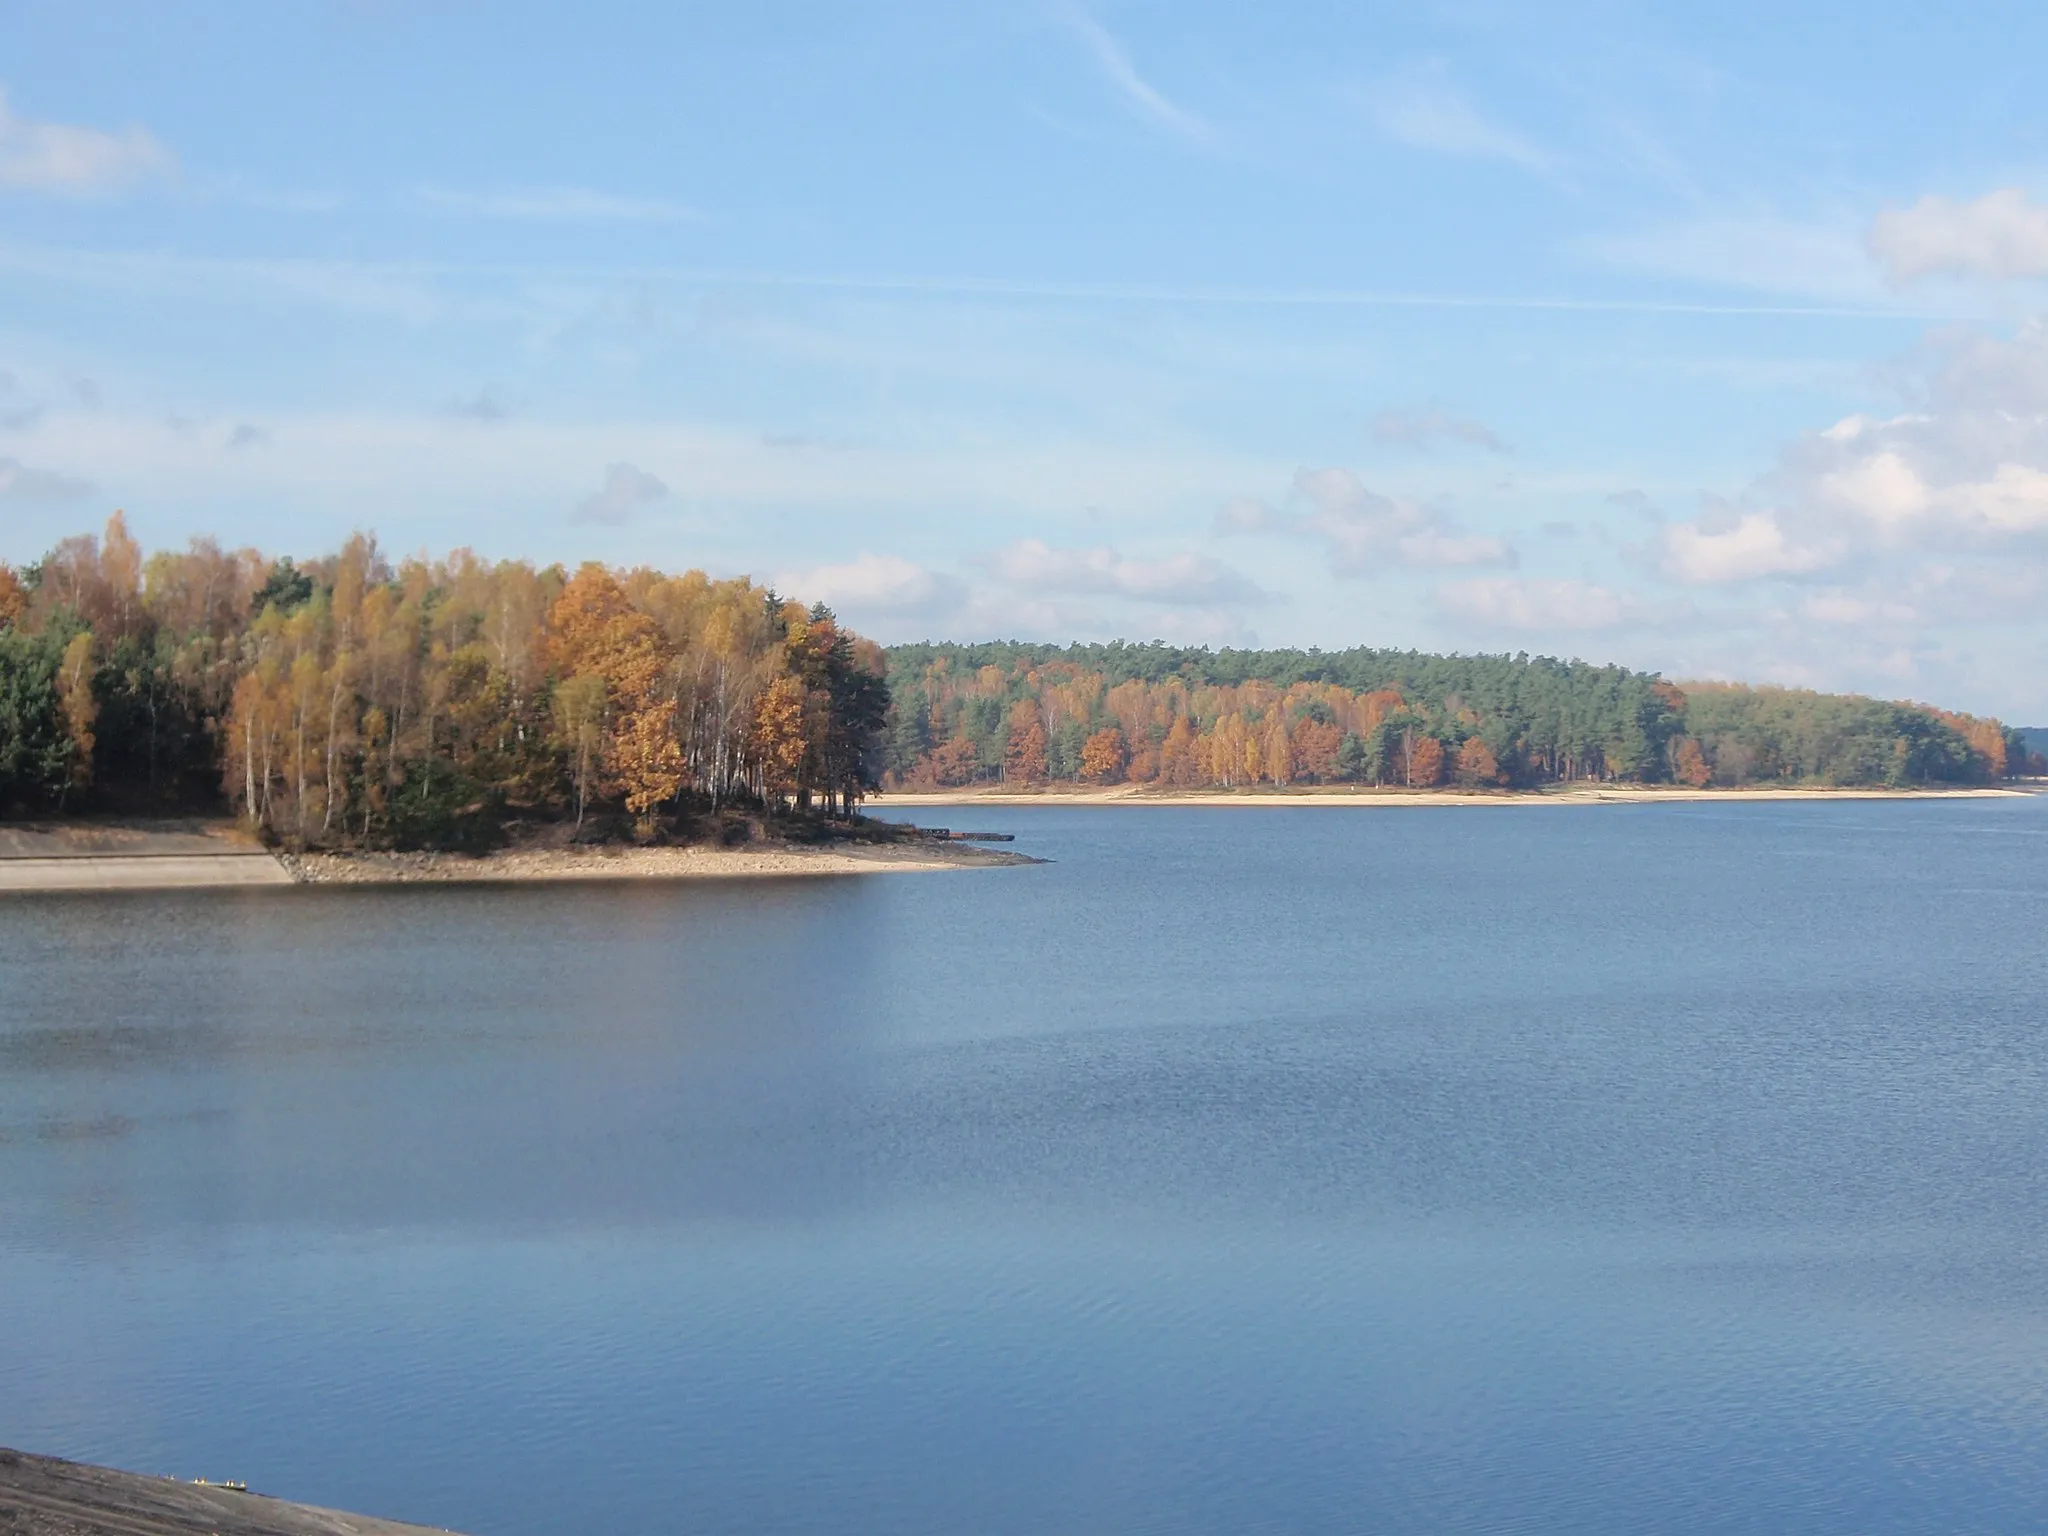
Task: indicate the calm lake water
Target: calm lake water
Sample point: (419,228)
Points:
(1536,1170)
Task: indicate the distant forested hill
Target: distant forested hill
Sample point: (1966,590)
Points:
(1180,718)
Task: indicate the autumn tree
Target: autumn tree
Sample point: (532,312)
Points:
(81,709)
(955,762)
(1689,764)
(13,597)
(1477,766)
(1425,762)
(595,632)
(1103,756)
(1179,766)
(579,704)
(1316,745)
(1024,753)
(779,747)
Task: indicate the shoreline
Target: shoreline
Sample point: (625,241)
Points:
(559,865)
(59,857)
(1606,794)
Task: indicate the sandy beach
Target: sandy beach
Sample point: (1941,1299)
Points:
(690,863)
(1605,794)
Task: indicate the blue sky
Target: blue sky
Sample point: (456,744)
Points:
(1699,338)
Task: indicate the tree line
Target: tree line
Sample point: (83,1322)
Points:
(1186,718)
(355,700)
(358,700)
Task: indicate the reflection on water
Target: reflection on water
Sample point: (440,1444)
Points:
(1540,1170)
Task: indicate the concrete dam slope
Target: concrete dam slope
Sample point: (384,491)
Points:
(82,856)
(42,1496)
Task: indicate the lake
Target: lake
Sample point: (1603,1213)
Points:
(1562,1169)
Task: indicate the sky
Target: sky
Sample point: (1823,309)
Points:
(1706,339)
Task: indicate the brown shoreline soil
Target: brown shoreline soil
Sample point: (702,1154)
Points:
(43,1496)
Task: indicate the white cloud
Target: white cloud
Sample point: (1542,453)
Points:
(1367,532)
(19,483)
(1962,478)
(1139,93)
(1031,565)
(1421,109)
(558,205)
(626,489)
(2001,235)
(1753,545)
(60,157)
(1415,428)
(870,584)
(1545,605)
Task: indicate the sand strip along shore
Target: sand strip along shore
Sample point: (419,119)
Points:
(42,1496)
(977,799)
(142,872)
(92,857)
(555,864)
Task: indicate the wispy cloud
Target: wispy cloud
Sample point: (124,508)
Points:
(421,291)
(1115,65)
(19,483)
(483,406)
(62,157)
(558,205)
(626,490)
(1814,257)
(1426,428)
(1419,107)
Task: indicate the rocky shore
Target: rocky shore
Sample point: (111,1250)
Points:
(43,1496)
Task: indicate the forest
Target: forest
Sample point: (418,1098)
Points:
(359,701)
(1184,719)
(356,700)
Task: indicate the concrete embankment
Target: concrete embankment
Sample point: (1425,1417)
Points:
(170,856)
(42,1496)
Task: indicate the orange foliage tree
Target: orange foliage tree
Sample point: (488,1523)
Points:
(1103,756)
(1024,755)
(1425,762)
(1477,766)
(1689,764)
